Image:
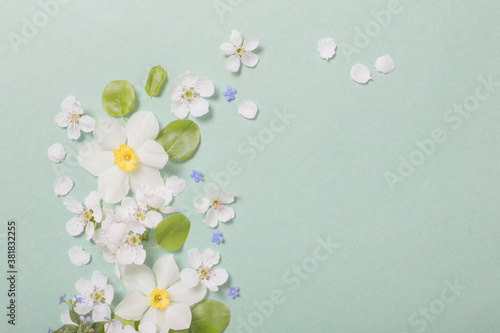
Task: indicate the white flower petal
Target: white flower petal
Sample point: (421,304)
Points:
(143,174)
(249,59)
(204,87)
(360,73)
(326,48)
(227,49)
(248,109)
(92,200)
(133,305)
(99,280)
(194,258)
(166,271)
(180,109)
(73,131)
(147,327)
(109,134)
(209,258)
(84,286)
(189,278)
(113,184)
(199,107)
(126,254)
(220,193)
(225,214)
(188,80)
(250,44)
(62,186)
(202,203)
(71,104)
(78,256)
(233,63)
(175,185)
(74,227)
(73,205)
(154,218)
(89,230)
(157,316)
(62,119)
(95,160)
(66,319)
(109,294)
(179,294)
(117,232)
(140,256)
(211,218)
(142,126)
(175,92)
(151,153)
(178,316)
(236,38)
(385,64)
(87,123)
(168,209)
(56,153)
(219,276)
(83,308)
(100,312)
(138,277)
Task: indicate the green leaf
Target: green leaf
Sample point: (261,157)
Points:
(125,322)
(209,316)
(74,317)
(156,76)
(172,231)
(118,98)
(98,326)
(181,331)
(67,328)
(179,139)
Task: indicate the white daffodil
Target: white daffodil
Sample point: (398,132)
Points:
(96,296)
(239,51)
(73,118)
(165,301)
(188,97)
(124,158)
(136,216)
(217,211)
(88,217)
(202,271)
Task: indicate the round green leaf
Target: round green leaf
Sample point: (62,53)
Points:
(155,79)
(209,316)
(118,98)
(172,231)
(179,139)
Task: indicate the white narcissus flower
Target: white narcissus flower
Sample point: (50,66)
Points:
(87,217)
(73,118)
(214,203)
(164,300)
(124,158)
(188,97)
(239,50)
(96,296)
(202,271)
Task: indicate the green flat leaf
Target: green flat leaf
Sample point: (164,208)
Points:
(181,331)
(172,231)
(74,317)
(209,316)
(98,326)
(156,76)
(179,139)
(118,98)
(67,328)
(125,322)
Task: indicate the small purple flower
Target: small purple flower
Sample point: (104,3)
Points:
(233,291)
(49,330)
(85,319)
(217,237)
(229,93)
(196,175)
(78,299)
(61,299)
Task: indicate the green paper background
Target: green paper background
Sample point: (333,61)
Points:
(321,175)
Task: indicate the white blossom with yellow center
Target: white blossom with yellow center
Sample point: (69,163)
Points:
(188,96)
(202,271)
(72,117)
(239,51)
(96,295)
(215,206)
(88,216)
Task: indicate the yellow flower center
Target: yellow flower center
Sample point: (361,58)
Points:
(189,93)
(125,157)
(216,204)
(159,298)
(239,50)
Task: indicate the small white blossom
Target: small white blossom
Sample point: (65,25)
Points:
(72,117)
(215,203)
(96,295)
(239,51)
(202,271)
(87,217)
(188,97)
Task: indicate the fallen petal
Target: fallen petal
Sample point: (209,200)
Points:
(360,73)
(384,64)
(56,153)
(326,48)
(248,109)
(62,186)
(78,256)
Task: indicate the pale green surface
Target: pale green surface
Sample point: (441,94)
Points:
(323,174)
